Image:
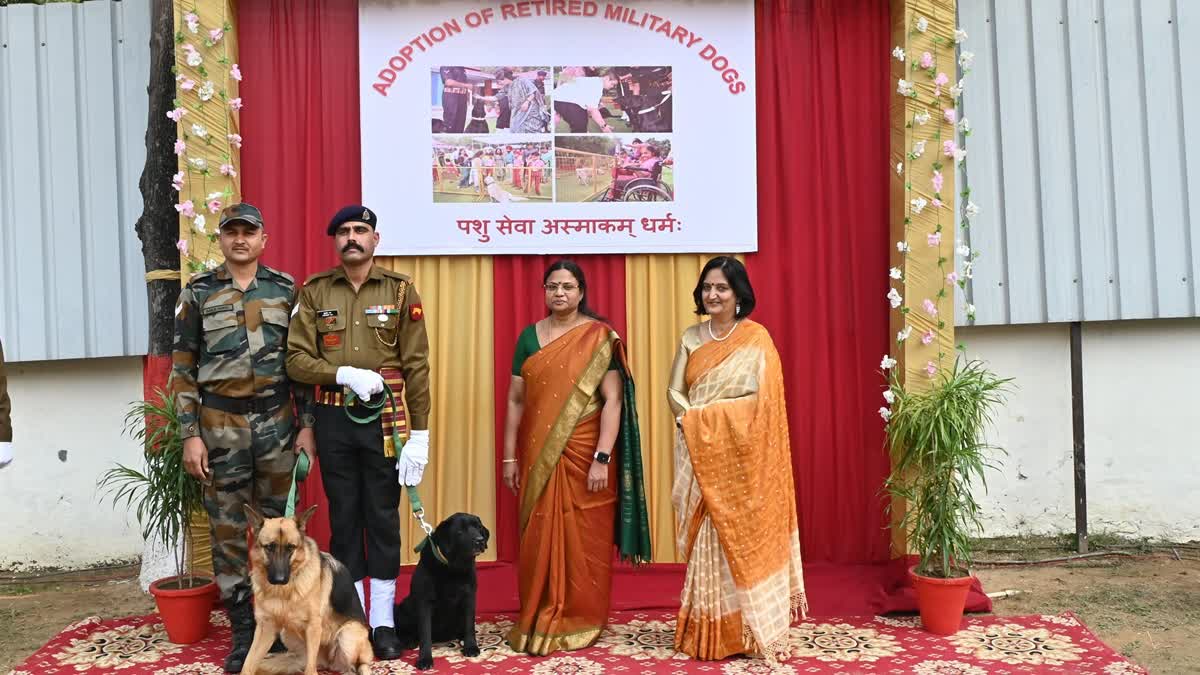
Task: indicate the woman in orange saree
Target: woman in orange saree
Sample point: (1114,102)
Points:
(735,504)
(571,426)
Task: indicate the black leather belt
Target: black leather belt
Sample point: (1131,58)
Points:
(245,406)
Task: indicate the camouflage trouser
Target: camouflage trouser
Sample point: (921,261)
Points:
(251,460)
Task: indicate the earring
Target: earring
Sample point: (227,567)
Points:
(737,309)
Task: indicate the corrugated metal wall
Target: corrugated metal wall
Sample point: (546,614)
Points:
(1084,158)
(73,111)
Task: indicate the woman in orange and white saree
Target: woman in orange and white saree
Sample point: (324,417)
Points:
(735,504)
(572,454)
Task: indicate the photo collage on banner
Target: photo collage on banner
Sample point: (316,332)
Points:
(512,135)
(527,153)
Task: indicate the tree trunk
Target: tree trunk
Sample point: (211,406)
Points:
(158,226)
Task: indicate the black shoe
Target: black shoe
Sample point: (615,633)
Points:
(241,624)
(387,645)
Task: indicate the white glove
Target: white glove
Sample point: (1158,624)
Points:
(364,383)
(6,453)
(413,458)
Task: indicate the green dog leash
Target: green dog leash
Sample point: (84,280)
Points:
(414,498)
(300,472)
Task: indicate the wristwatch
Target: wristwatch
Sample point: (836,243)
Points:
(602,457)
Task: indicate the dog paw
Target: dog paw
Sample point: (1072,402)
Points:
(470,651)
(425,663)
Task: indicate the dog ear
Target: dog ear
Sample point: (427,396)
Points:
(252,516)
(302,519)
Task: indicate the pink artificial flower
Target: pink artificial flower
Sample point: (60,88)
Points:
(216,34)
(949,147)
(235,103)
(177,181)
(235,140)
(187,208)
(227,170)
(187,84)
(938,82)
(214,206)
(235,72)
(193,21)
(180,146)
(929,307)
(952,277)
(951,115)
(930,368)
(927,337)
(937,203)
(182,245)
(189,48)
(934,239)
(926,60)
(176,114)
(937,181)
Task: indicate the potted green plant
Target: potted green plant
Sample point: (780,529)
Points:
(163,497)
(938,452)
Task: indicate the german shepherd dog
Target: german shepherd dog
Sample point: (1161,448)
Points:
(441,599)
(306,598)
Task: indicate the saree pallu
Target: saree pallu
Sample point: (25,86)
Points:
(567,532)
(735,503)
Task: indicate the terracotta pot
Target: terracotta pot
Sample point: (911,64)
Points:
(941,601)
(185,611)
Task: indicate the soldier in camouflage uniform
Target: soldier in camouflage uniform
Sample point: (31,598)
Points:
(235,402)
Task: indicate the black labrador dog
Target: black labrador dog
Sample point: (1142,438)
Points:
(441,600)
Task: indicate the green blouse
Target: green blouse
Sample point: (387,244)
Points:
(527,345)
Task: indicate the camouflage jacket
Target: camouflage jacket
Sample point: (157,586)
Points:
(232,342)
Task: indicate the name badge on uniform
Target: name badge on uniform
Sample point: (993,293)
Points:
(329,316)
(214,309)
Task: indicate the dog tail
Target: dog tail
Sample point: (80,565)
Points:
(282,664)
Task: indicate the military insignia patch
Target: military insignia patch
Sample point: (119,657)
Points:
(332,339)
(415,312)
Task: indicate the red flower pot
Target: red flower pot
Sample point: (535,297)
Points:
(941,601)
(185,611)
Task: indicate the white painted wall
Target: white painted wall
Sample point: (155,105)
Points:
(1143,427)
(67,418)
(1141,411)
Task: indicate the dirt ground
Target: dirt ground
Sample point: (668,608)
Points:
(1147,605)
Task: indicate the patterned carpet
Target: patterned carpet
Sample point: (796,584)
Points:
(641,642)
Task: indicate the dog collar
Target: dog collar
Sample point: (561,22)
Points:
(436,552)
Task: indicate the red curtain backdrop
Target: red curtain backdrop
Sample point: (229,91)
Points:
(822,82)
(820,274)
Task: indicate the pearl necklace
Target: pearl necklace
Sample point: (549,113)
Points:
(722,339)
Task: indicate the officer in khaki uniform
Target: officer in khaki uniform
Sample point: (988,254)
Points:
(356,327)
(235,402)
(6,453)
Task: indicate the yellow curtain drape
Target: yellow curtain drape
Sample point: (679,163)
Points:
(659,306)
(456,292)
